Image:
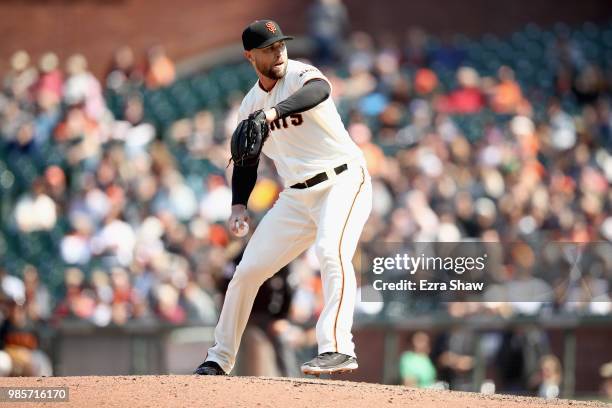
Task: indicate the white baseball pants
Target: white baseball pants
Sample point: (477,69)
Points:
(331,215)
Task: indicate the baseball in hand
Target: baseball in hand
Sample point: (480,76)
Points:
(241,228)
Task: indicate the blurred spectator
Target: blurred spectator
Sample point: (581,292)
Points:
(507,96)
(21,77)
(115,241)
(391,82)
(100,283)
(375,158)
(160,69)
(590,292)
(48,113)
(80,136)
(361,52)
(562,128)
(360,83)
(50,79)
(12,287)
(19,339)
(467,98)
(416,51)
(37,297)
(75,247)
(13,120)
(23,144)
(453,351)
(168,306)
(36,211)
(548,378)
(606,373)
(82,87)
(520,358)
(416,368)
(565,52)
(6,364)
(589,85)
(78,302)
(55,181)
(328,25)
(425,81)
(203,135)
(216,204)
(133,129)
(199,304)
(122,73)
(175,196)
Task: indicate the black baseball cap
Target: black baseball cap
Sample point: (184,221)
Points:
(261,33)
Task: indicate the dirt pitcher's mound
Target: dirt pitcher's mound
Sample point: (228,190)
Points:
(192,391)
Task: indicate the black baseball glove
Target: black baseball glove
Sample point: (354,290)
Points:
(248,139)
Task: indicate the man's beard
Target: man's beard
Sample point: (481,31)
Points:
(270,73)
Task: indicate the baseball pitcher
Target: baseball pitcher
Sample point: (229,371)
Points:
(290,117)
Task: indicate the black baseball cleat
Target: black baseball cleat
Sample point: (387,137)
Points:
(209,368)
(329,363)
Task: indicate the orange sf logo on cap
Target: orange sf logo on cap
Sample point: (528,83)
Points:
(271,27)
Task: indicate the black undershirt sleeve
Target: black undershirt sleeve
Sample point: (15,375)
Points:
(307,97)
(243,182)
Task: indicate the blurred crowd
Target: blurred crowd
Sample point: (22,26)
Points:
(513,362)
(477,155)
(485,157)
(504,361)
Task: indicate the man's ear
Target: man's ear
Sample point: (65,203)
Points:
(248,55)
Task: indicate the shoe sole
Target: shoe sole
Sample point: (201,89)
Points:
(332,370)
(208,374)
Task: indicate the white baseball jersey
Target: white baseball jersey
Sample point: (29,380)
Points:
(303,144)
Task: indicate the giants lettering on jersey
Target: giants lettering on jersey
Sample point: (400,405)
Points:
(296,120)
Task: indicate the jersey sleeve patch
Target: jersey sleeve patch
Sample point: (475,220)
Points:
(308,73)
(307,70)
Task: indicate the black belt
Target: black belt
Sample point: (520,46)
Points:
(319,178)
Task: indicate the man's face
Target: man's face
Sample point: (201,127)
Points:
(270,61)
